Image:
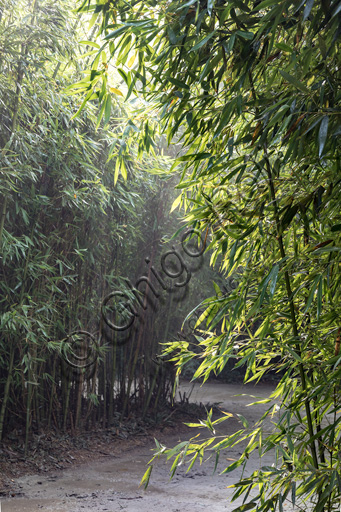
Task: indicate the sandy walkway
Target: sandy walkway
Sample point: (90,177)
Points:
(112,484)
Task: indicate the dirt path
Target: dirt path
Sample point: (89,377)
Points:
(112,484)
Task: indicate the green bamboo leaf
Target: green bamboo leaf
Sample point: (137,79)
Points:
(233,466)
(146,477)
(175,465)
(176,203)
(323,131)
(93,20)
(192,461)
(243,420)
(244,34)
(84,102)
(265,3)
(279,114)
(124,171)
(326,250)
(248,506)
(117,169)
(194,157)
(178,83)
(307,9)
(319,298)
(336,10)
(81,86)
(264,284)
(86,7)
(101,112)
(312,293)
(274,277)
(294,355)
(116,33)
(288,216)
(107,109)
(291,79)
(95,63)
(203,41)
(90,43)
(284,47)
(186,4)
(225,117)
(176,449)
(210,4)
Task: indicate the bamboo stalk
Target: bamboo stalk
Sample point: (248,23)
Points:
(7,390)
(292,311)
(152,387)
(53,390)
(66,404)
(28,411)
(3,216)
(80,390)
(112,378)
(104,374)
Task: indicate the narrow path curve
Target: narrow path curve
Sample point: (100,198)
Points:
(112,484)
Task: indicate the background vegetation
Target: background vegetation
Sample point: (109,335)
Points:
(71,228)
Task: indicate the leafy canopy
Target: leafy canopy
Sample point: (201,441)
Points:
(251,88)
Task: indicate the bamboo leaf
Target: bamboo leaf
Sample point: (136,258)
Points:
(292,80)
(323,131)
(178,83)
(90,43)
(243,420)
(307,9)
(176,203)
(116,33)
(210,4)
(274,277)
(248,506)
(107,109)
(131,60)
(146,477)
(101,113)
(116,91)
(319,298)
(312,293)
(84,102)
(264,4)
(203,41)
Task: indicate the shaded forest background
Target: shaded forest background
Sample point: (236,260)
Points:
(71,230)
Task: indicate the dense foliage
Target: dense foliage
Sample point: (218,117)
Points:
(69,227)
(252,90)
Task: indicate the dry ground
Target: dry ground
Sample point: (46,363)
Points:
(105,476)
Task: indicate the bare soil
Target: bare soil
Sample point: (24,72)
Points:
(105,476)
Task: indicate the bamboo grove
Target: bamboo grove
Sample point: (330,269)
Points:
(252,90)
(69,226)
